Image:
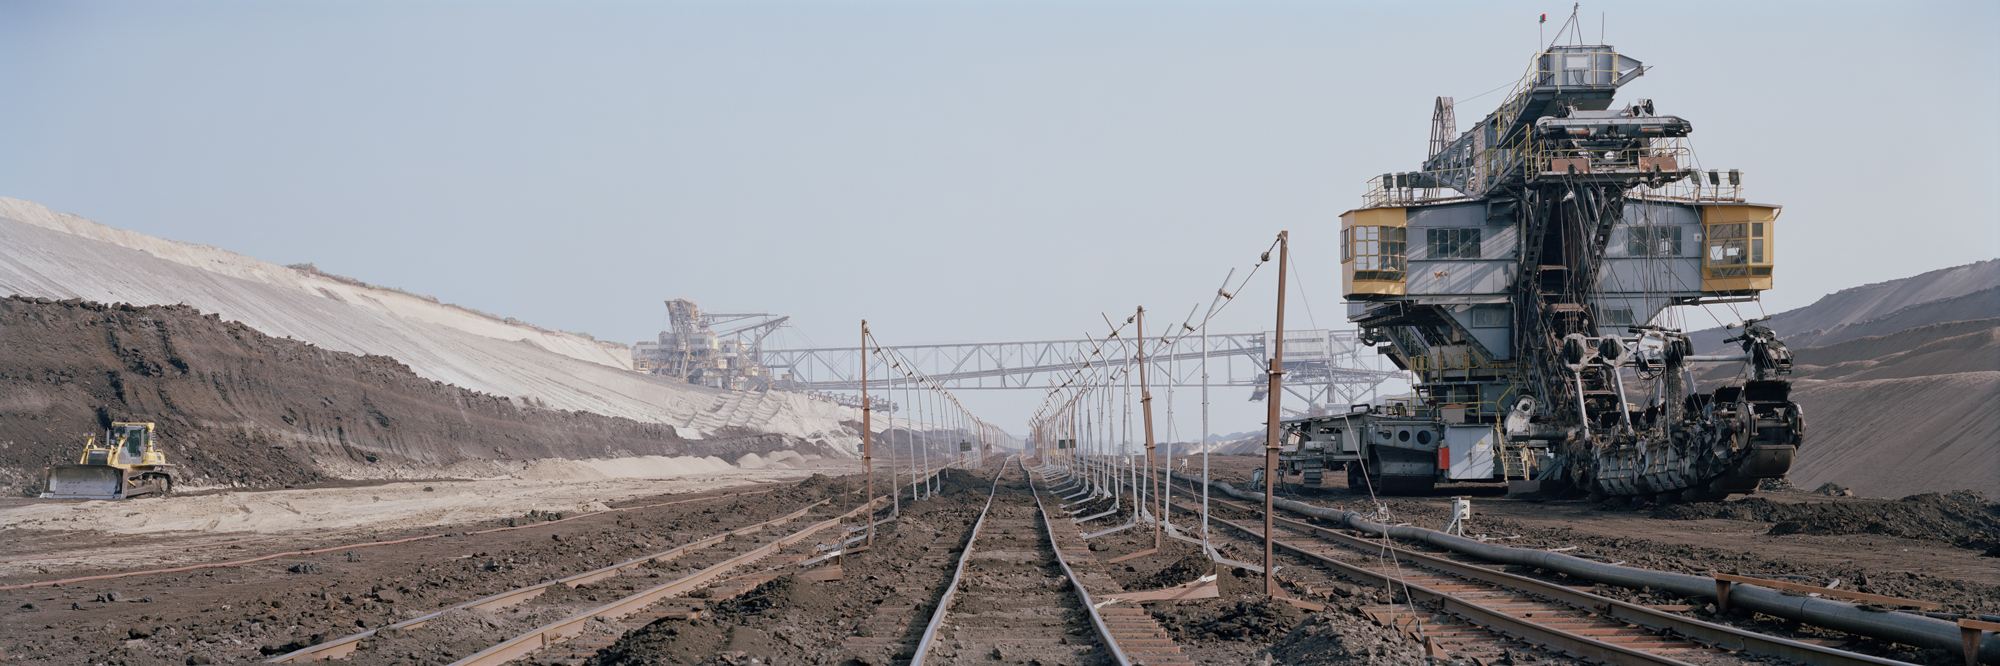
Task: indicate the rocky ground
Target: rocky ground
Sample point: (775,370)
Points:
(249,612)
(1931,547)
(1927,547)
(888,591)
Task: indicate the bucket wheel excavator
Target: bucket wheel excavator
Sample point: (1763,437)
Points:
(1526,279)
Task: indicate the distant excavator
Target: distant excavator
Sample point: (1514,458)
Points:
(124,464)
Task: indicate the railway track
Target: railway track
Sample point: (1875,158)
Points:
(656,583)
(1464,611)
(1022,590)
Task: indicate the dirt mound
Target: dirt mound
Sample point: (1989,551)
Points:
(1246,618)
(788,592)
(827,484)
(1976,350)
(667,642)
(238,408)
(1964,519)
(955,481)
(1342,638)
(1184,570)
(1778,485)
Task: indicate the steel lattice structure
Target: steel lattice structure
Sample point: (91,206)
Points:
(1322,367)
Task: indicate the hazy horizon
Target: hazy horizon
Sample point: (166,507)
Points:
(950,171)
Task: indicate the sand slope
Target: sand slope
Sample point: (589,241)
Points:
(1897,437)
(1913,411)
(218,261)
(64,256)
(1821,322)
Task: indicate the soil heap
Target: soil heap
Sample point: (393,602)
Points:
(236,407)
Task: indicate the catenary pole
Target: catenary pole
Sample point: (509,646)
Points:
(867,442)
(1271,425)
(1146,409)
(1220,293)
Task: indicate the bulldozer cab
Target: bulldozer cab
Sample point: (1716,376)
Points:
(132,440)
(124,445)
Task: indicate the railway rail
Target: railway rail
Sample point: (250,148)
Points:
(1022,587)
(645,604)
(705,562)
(1469,610)
(1464,610)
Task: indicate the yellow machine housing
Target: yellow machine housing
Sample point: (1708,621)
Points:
(1737,250)
(1373,247)
(125,463)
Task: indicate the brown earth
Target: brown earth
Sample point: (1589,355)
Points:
(1963,519)
(249,612)
(265,608)
(238,408)
(1927,547)
(889,590)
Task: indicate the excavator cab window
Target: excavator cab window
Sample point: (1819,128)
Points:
(1653,241)
(1378,252)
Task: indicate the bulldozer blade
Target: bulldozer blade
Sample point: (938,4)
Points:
(85,482)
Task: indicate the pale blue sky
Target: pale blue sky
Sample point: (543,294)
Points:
(952,171)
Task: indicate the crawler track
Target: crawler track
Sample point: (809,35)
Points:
(1461,610)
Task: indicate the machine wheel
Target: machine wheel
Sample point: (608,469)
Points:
(163,484)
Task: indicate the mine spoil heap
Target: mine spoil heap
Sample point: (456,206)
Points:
(238,408)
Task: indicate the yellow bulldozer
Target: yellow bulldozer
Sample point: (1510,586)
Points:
(125,463)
